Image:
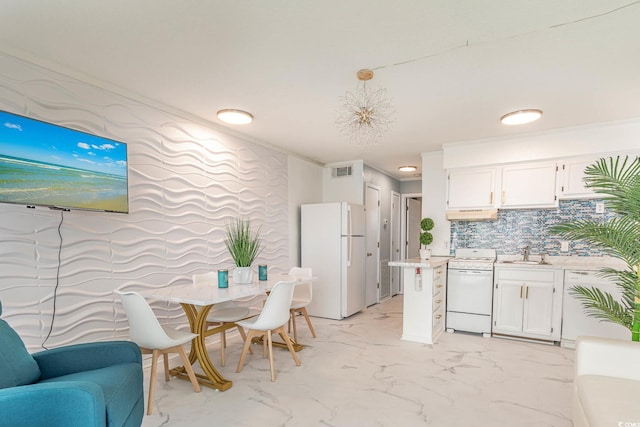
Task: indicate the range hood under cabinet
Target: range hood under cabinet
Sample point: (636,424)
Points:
(472,214)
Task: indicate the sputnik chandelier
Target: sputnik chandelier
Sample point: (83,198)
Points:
(364,114)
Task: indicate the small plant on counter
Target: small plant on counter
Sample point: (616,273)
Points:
(426,238)
(618,180)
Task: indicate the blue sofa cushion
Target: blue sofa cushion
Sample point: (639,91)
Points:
(17,366)
(120,385)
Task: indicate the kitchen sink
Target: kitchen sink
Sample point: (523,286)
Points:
(525,262)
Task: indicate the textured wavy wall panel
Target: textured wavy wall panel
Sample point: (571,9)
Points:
(186,181)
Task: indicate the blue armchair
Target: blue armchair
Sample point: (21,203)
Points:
(82,385)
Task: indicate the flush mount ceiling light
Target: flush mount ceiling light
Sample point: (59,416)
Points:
(408,168)
(235,117)
(364,114)
(521,117)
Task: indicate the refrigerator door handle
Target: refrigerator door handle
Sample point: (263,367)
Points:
(350,244)
(349,223)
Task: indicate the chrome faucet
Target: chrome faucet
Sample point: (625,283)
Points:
(525,253)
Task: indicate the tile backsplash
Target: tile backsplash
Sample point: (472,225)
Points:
(516,228)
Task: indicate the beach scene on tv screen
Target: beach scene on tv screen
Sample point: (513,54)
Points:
(45,164)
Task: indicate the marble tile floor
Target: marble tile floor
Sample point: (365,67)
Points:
(358,372)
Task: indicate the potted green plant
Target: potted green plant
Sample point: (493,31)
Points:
(426,238)
(619,181)
(244,245)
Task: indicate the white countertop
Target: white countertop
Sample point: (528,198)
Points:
(565,262)
(433,262)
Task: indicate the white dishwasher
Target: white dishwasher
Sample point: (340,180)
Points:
(575,322)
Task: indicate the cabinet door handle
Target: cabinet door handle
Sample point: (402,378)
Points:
(527,297)
(438,301)
(503,196)
(491,198)
(438,316)
(520,292)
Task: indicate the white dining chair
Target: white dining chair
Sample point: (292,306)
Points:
(155,339)
(224,313)
(302,296)
(273,318)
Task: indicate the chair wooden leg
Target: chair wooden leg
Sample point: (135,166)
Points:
(166,366)
(295,328)
(287,339)
(188,368)
(152,383)
(223,344)
(264,345)
(303,310)
(245,348)
(273,372)
(244,337)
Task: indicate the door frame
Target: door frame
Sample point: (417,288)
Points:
(395,224)
(403,231)
(376,255)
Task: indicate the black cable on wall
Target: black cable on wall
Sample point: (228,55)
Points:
(55,289)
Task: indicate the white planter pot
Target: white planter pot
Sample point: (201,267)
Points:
(242,275)
(425,253)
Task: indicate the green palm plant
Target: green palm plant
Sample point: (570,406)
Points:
(243,244)
(618,179)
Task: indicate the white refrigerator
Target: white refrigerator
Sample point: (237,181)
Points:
(333,245)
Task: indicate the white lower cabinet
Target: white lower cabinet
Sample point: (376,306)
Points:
(527,302)
(424,303)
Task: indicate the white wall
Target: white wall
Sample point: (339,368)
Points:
(592,139)
(187,180)
(305,186)
(413,186)
(434,201)
(345,188)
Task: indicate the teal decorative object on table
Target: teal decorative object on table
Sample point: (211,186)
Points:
(262,272)
(223,278)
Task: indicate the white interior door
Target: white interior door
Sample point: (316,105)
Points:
(372,275)
(395,254)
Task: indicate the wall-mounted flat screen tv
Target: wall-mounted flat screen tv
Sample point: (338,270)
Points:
(42,164)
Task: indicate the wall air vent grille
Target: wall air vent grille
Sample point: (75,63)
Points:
(342,171)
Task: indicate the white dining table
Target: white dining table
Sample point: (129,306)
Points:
(197,301)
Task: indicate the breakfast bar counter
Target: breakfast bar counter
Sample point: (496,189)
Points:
(425,292)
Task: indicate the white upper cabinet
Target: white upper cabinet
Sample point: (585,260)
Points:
(471,188)
(529,185)
(572,178)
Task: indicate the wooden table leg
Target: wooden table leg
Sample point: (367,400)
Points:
(198,323)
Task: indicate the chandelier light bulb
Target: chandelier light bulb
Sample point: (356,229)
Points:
(364,114)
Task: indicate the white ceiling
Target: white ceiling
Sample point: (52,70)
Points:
(451,68)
